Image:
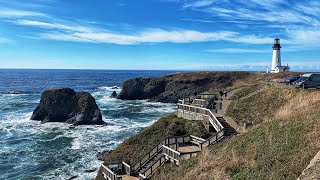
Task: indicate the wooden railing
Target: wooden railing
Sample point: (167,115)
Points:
(150,170)
(171,153)
(199,102)
(156,149)
(127,168)
(196,113)
(207,96)
(168,146)
(109,174)
(213,139)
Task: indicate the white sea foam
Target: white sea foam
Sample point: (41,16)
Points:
(109,88)
(82,142)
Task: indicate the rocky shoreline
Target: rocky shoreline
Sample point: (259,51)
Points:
(171,88)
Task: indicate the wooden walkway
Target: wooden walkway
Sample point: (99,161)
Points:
(189,149)
(222,113)
(175,149)
(127,177)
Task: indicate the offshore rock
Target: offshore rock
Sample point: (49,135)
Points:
(65,105)
(114,94)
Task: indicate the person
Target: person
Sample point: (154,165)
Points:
(210,104)
(221,94)
(214,105)
(225,94)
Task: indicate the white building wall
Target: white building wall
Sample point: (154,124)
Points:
(276,59)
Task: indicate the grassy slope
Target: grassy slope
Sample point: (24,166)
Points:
(243,92)
(264,103)
(133,148)
(279,148)
(130,149)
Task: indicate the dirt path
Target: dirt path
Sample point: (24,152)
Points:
(313,169)
(222,113)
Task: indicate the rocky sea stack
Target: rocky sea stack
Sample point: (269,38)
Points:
(66,105)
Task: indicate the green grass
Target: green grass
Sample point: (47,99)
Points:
(133,148)
(243,92)
(278,148)
(254,108)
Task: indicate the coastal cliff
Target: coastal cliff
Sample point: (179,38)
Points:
(171,88)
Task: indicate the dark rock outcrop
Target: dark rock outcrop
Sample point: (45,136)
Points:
(134,89)
(103,155)
(114,94)
(65,105)
(173,87)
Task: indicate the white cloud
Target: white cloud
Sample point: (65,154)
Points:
(4,40)
(275,11)
(199,3)
(68,31)
(235,50)
(52,25)
(305,37)
(149,36)
(10,13)
(253,66)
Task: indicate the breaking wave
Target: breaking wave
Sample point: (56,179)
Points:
(31,150)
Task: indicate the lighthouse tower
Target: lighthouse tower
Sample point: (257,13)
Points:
(276,58)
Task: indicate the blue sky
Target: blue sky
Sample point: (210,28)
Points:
(158,34)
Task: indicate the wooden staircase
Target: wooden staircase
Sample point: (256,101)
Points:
(228,130)
(151,162)
(168,148)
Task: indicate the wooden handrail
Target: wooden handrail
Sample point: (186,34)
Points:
(171,153)
(109,173)
(142,177)
(198,138)
(210,114)
(127,168)
(157,148)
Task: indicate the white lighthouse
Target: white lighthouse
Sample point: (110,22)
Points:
(276,58)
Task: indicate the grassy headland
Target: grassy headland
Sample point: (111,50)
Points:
(280,147)
(285,137)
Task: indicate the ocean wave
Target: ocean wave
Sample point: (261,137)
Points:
(109,88)
(73,150)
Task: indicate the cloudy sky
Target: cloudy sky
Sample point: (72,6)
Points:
(158,34)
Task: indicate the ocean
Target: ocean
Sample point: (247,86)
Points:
(31,150)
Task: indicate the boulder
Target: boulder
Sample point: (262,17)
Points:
(103,155)
(66,105)
(114,94)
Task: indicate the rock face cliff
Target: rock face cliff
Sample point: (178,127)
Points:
(171,88)
(65,105)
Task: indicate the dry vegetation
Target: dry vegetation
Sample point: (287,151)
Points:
(131,150)
(279,148)
(284,140)
(266,102)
